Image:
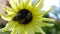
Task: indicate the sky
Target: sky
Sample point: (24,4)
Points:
(49,3)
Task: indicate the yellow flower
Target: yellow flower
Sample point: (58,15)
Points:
(24,17)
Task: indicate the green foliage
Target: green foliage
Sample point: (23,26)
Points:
(4,32)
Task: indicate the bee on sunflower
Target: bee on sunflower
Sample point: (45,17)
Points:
(24,17)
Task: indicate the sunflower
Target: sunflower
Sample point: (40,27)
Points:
(24,17)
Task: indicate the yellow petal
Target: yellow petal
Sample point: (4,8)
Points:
(37,1)
(29,29)
(8,26)
(39,5)
(38,29)
(40,23)
(9,10)
(14,31)
(29,4)
(21,4)
(6,17)
(43,19)
(47,19)
(13,4)
(37,13)
(18,3)
(25,3)
(21,29)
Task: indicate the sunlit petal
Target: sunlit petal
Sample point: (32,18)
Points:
(47,19)
(14,31)
(13,4)
(29,29)
(9,10)
(40,23)
(38,29)
(8,26)
(29,4)
(21,29)
(39,5)
(6,17)
(37,1)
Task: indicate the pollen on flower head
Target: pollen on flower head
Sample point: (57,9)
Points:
(24,16)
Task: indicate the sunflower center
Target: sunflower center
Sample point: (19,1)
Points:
(24,16)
